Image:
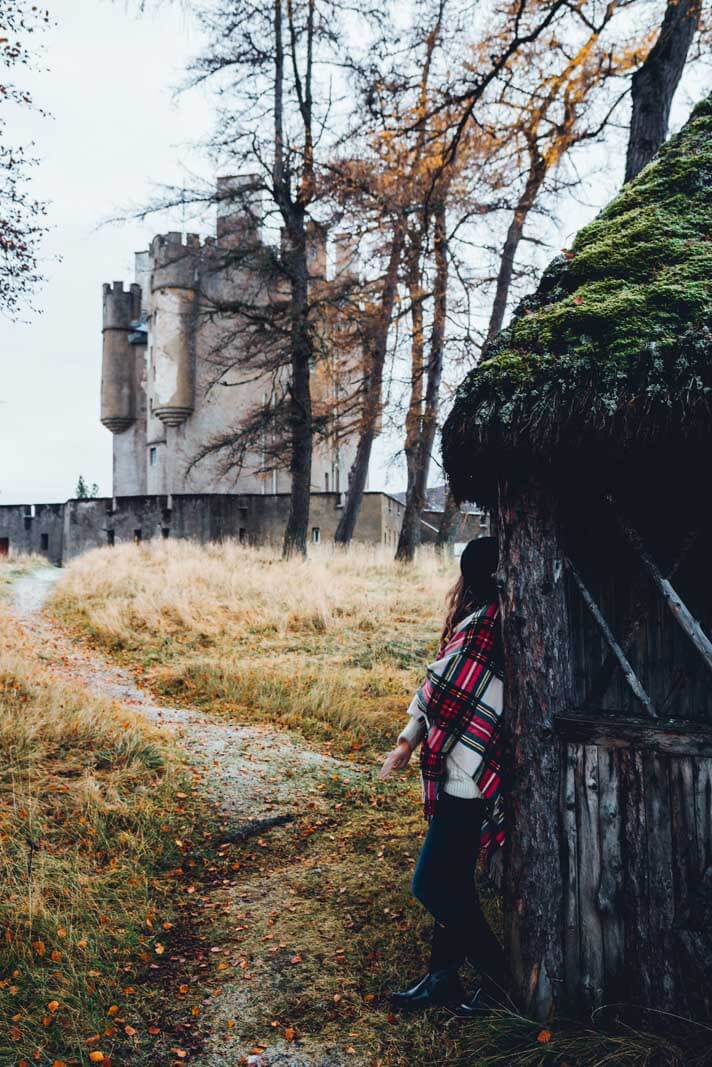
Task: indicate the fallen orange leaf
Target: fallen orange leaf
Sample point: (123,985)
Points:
(543,1036)
(97,1057)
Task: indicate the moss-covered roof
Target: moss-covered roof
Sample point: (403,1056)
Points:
(614,350)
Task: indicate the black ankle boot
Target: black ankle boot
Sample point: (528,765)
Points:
(436,989)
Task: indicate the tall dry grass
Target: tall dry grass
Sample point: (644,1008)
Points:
(86,798)
(332,645)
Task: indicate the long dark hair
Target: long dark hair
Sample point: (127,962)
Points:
(475,586)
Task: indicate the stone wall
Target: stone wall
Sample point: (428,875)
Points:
(36,528)
(62,531)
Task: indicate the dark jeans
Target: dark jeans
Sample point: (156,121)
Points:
(444,881)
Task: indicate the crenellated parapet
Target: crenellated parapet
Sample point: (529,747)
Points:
(118,401)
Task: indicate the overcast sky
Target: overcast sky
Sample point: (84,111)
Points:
(117,130)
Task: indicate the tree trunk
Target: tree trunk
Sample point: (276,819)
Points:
(376,348)
(410,525)
(426,426)
(295,534)
(654,83)
(538,683)
(446,529)
(535,177)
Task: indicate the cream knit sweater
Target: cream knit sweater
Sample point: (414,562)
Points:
(460,763)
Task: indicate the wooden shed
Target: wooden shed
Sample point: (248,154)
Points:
(588,431)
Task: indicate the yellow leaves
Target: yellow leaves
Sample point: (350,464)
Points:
(39,947)
(53,1006)
(179,1052)
(159,949)
(97,1056)
(113,1010)
(130,1031)
(290,1033)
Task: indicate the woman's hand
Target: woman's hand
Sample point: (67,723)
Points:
(396,759)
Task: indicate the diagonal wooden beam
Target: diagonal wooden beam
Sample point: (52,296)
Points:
(635,618)
(687,622)
(630,676)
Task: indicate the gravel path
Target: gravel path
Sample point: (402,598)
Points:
(259,776)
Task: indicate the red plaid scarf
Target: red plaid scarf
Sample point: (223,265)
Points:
(454,702)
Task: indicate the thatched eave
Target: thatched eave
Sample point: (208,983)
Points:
(612,356)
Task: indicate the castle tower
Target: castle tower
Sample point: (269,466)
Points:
(174,312)
(123,385)
(118,391)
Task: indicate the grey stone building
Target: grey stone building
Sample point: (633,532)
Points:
(174,376)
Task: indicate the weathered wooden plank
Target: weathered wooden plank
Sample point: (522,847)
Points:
(685,863)
(611,881)
(635,878)
(703,814)
(697,939)
(573,774)
(660,897)
(628,673)
(589,873)
(675,738)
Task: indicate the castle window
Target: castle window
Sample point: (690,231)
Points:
(326,482)
(137,537)
(4,546)
(110,537)
(28,522)
(153,456)
(44,542)
(337,486)
(242,535)
(316,535)
(165,532)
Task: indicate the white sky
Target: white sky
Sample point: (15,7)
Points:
(117,131)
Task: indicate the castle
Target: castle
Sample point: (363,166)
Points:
(171,383)
(174,371)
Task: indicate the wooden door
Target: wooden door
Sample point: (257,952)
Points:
(636,774)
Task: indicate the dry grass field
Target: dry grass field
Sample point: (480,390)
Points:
(87,795)
(331,646)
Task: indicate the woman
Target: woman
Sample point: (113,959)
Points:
(457,714)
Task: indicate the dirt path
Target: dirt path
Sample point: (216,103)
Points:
(258,776)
